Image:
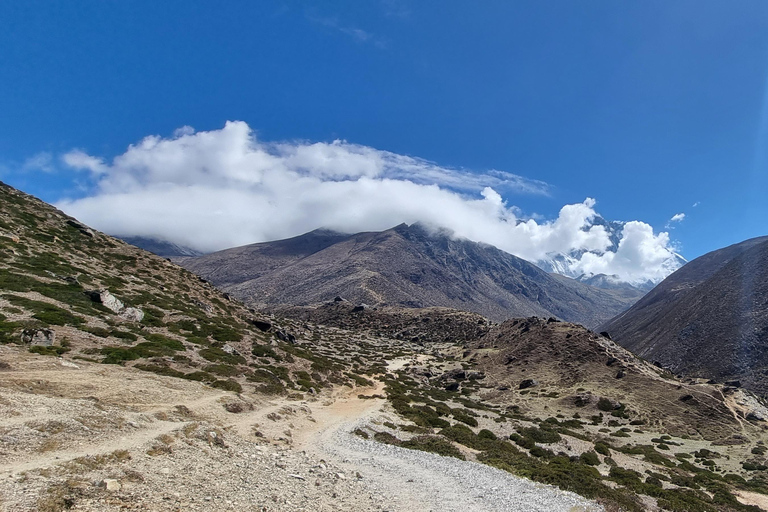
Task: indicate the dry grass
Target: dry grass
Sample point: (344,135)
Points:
(95,462)
(50,427)
(49,445)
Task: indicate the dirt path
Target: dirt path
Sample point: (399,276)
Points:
(129,442)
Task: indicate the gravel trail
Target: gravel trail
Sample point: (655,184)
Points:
(410,480)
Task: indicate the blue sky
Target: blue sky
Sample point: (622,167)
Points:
(648,107)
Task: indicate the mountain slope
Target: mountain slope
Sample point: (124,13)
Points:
(133,394)
(160,247)
(709,318)
(404,266)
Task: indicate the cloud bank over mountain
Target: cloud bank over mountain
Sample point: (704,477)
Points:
(216,189)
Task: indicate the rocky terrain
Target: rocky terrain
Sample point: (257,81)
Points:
(126,382)
(408,266)
(708,319)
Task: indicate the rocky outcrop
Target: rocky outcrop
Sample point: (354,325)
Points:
(112,303)
(43,337)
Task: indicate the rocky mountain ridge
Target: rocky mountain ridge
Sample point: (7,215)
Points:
(710,318)
(407,266)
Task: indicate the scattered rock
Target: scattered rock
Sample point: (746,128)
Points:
(621,374)
(455,374)
(43,337)
(202,305)
(229,349)
(261,325)
(107,300)
(132,314)
(360,308)
(338,299)
(85,230)
(285,336)
(755,416)
(110,484)
(583,399)
(528,383)
(451,386)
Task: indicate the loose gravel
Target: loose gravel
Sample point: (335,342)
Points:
(416,480)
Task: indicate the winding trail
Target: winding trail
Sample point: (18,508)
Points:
(411,480)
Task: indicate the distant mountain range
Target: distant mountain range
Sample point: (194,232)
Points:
(709,318)
(404,266)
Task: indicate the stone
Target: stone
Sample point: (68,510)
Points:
(582,399)
(360,308)
(85,230)
(755,416)
(733,383)
(283,335)
(110,484)
(229,349)
(261,325)
(132,314)
(455,374)
(621,374)
(452,386)
(528,383)
(202,305)
(108,300)
(43,337)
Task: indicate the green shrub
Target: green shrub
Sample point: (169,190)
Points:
(48,351)
(47,313)
(264,351)
(602,449)
(540,435)
(228,385)
(123,335)
(464,418)
(157,347)
(216,354)
(486,434)
(590,458)
(433,444)
(605,404)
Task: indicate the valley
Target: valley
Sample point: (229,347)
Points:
(128,382)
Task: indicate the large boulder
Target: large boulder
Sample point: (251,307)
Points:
(108,300)
(44,337)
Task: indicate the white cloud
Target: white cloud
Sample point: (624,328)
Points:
(80,160)
(697,203)
(678,217)
(40,162)
(640,256)
(222,188)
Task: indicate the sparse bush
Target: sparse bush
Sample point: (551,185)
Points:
(590,458)
(228,385)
